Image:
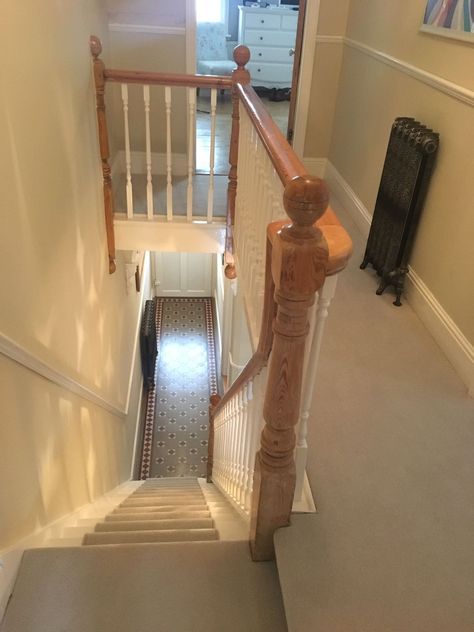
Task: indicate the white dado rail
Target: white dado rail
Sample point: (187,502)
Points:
(270,35)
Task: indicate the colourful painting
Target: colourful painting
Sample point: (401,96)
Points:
(451,18)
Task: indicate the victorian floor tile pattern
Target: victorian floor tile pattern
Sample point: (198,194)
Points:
(176,431)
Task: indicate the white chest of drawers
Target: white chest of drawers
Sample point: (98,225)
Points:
(270,35)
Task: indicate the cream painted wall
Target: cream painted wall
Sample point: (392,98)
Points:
(57,300)
(154,52)
(370,95)
(156,12)
(325,81)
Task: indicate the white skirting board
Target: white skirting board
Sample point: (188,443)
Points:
(459,351)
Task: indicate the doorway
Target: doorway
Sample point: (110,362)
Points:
(276,66)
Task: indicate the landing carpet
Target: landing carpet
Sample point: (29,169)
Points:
(176,427)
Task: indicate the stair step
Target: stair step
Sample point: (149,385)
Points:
(159,509)
(151,502)
(199,586)
(165,515)
(136,537)
(154,525)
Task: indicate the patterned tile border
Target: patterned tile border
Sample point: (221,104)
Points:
(151,395)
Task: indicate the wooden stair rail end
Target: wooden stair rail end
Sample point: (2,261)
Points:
(99,79)
(299,260)
(240,75)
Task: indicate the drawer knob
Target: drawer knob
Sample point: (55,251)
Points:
(258,69)
(261,38)
(260,54)
(262,21)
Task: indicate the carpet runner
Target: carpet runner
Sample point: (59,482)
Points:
(164,510)
(176,428)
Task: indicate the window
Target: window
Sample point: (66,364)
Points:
(211,10)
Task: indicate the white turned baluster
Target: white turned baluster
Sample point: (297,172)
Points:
(250,456)
(244,447)
(210,194)
(128,158)
(169,164)
(149,183)
(326,294)
(191,128)
(240,447)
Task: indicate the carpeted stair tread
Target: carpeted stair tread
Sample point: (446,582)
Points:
(203,587)
(155,525)
(168,515)
(150,502)
(145,536)
(163,509)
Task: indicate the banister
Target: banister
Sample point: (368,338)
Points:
(284,159)
(168,79)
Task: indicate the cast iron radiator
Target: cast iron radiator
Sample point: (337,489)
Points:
(148,343)
(406,173)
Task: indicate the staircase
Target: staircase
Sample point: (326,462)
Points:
(160,510)
(171,555)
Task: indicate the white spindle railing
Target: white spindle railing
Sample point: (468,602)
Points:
(313,350)
(158,196)
(128,158)
(237,429)
(212,152)
(149,181)
(259,202)
(191,127)
(169,163)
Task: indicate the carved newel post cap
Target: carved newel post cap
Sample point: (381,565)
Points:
(95,46)
(241,55)
(306,199)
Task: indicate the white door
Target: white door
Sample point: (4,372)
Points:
(183,273)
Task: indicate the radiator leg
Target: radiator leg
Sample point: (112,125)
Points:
(382,287)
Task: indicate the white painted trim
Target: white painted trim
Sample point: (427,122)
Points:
(458,350)
(306,75)
(330,39)
(19,354)
(315,166)
(449,88)
(138,419)
(145,282)
(115,27)
(348,198)
(306,503)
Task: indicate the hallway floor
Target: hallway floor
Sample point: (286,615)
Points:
(176,431)
(390,463)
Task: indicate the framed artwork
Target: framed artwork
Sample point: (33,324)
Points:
(450,18)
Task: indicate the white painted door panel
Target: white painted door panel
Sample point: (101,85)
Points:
(183,274)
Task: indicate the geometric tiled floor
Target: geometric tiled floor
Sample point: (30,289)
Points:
(176,433)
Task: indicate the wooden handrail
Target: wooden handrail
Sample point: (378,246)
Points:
(168,79)
(288,166)
(282,155)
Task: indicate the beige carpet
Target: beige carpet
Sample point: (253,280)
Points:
(160,510)
(185,587)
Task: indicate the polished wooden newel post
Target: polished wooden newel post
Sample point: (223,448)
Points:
(239,75)
(299,258)
(99,79)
